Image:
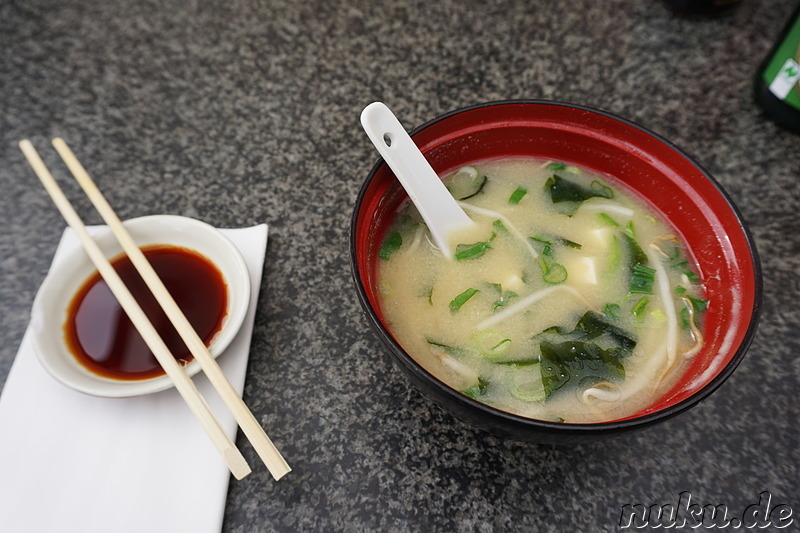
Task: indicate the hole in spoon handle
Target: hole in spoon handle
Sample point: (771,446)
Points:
(438,208)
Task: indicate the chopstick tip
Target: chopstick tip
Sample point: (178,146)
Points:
(279,471)
(236,463)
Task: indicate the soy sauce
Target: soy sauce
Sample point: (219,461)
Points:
(101,336)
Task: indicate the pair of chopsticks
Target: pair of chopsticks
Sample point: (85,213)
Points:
(262,444)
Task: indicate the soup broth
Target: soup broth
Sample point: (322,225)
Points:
(571,301)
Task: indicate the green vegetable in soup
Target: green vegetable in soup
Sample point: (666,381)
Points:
(553,272)
(491,345)
(683,267)
(392,243)
(466,183)
(528,361)
(608,221)
(462,298)
(636,255)
(452,350)
(526,383)
(592,326)
(642,279)
(699,304)
(640,307)
(569,243)
(546,244)
(504,299)
(562,190)
(477,390)
(517,196)
(500,227)
(611,310)
(471,251)
(575,363)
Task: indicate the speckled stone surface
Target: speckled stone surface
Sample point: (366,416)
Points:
(241,112)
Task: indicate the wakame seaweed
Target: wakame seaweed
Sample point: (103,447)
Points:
(592,326)
(636,255)
(642,277)
(562,190)
(576,362)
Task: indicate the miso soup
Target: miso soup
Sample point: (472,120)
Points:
(572,301)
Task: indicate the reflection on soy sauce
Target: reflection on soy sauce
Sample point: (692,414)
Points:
(101,336)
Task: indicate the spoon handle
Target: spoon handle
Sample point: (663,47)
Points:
(438,208)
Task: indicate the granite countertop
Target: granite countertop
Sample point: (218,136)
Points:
(244,112)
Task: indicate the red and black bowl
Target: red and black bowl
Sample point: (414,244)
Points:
(666,178)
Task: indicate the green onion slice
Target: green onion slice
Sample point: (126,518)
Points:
(519,362)
(462,298)
(699,304)
(471,251)
(452,350)
(640,307)
(606,218)
(517,195)
(491,345)
(504,299)
(500,227)
(556,273)
(571,244)
(526,383)
(642,279)
(694,278)
(601,189)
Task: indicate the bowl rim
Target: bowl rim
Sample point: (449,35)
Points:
(631,422)
(205,240)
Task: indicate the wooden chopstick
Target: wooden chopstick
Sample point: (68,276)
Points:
(185,386)
(261,443)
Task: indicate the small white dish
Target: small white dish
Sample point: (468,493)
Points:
(69,272)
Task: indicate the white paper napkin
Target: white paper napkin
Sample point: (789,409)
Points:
(75,463)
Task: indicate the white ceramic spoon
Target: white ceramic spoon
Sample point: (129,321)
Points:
(438,208)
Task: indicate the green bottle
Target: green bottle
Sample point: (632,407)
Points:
(777,89)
